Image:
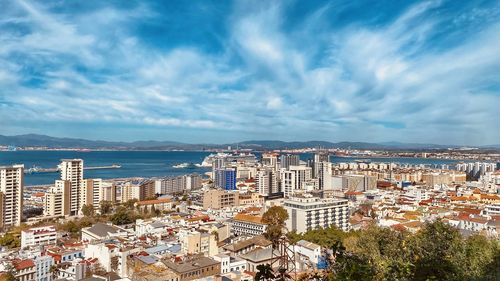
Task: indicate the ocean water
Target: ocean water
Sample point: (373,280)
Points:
(142,163)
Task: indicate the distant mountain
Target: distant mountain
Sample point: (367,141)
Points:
(34,140)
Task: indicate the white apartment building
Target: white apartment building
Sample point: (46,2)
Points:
(72,171)
(294,179)
(307,213)
(39,236)
(11,195)
(229,264)
(244,224)
(266,182)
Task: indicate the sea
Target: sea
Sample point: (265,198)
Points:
(146,164)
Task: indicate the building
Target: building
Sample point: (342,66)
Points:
(108,192)
(225,178)
(192,269)
(179,184)
(147,190)
(287,160)
(24,270)
(154,205)
(57,199)
(243,224)
(101,231)
(270,160)
(39,236)
(43,266)
(307,213)
(196,242)
(219,199)
(308,250)
(11,195)
(266,182)
(91,192)
(72,171)
(294,179)
(230,263)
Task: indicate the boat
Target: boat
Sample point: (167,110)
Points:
(246,157)
(185,166)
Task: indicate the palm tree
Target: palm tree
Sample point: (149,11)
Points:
(264,273)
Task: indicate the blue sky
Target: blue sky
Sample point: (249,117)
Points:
(224,71)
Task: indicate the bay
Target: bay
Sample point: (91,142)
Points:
(145,163)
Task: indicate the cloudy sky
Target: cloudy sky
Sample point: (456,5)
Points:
(223,71)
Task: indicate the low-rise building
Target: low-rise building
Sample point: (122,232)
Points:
(192,269)
(39,236)
(100,231)
(244,224)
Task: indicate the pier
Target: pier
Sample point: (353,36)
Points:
(36,169)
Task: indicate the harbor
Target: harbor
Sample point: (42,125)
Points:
(36,169)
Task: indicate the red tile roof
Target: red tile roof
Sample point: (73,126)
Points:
(23,264)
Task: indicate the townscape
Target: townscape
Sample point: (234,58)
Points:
(251,218)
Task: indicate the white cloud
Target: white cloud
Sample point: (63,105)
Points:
(309,82)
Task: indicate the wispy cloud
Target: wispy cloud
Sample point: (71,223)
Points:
(425,72)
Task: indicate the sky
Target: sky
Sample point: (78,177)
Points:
(225,71)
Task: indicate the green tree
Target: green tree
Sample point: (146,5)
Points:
(10,240)
(130,204)
(264,273)
(106,207)
(122,216)
(88,210)
(275,219)
(436,249)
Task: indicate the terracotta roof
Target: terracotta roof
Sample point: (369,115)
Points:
(248,218)
(23,264)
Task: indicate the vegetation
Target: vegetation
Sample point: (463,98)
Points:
(88,210)
(10,240)
(123,216)
(275,219)
(437,252)
(106,207)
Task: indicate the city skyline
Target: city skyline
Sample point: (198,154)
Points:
(222,72)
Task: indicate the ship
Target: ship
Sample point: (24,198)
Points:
(185,166)
(229,157)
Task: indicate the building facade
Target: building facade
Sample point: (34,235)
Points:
(11,195)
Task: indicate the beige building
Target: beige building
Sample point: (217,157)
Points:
(139,192)
(91,192)
(156,204)
(108,192)
(219,199)
(251,199)
(194,269)
(57,199)
(195,242)
(72,171)
(11,195)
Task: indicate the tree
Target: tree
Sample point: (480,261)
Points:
(106,207)
(88,210)
(275,219)
(130,204)
(436,249)
(122,216)
(264,273)
(10,240)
